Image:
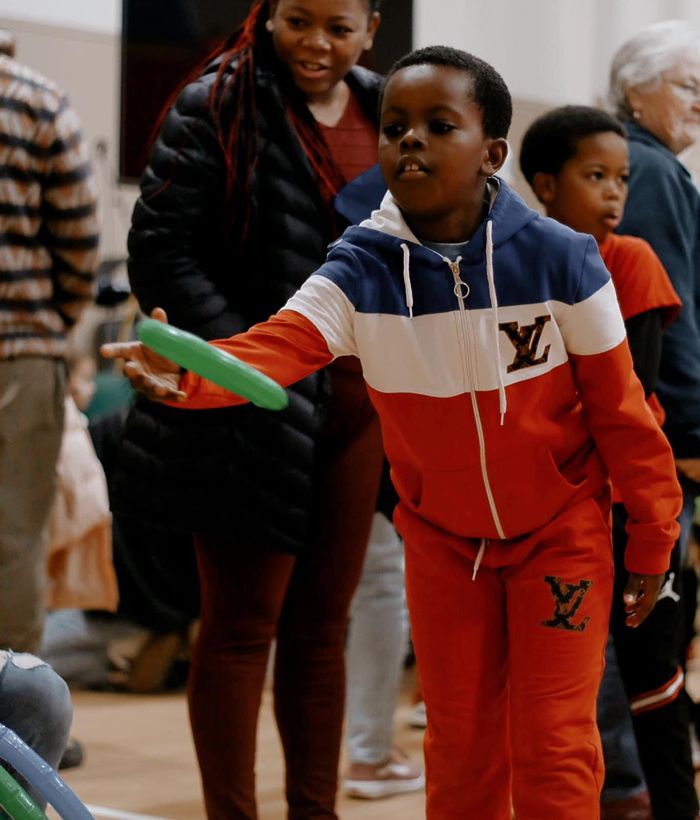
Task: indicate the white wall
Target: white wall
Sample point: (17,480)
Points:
(548,51)
(85,62)
(551,51)
(96,15)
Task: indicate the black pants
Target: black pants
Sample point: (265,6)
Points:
(650,658)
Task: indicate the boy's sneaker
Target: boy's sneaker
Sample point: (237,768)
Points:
(695,748)
(398,775)
(416,717)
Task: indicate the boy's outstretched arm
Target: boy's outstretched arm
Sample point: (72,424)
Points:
(287,347)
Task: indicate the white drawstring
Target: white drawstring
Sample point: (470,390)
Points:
(502,402)
(479,556)
(407,278)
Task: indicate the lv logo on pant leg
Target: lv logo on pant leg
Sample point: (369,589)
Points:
(567,599)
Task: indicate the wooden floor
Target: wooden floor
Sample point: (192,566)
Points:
(139,762)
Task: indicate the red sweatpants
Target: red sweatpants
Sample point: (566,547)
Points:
(510,666)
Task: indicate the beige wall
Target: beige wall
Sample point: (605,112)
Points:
(86,64)
(549,51)
(554,51)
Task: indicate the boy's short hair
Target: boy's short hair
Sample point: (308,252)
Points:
(553,138)
(490,93)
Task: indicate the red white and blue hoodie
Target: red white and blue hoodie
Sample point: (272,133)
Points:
(503,380)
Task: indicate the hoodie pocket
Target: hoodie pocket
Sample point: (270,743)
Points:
(528,490)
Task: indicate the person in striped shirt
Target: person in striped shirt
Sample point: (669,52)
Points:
(48,261)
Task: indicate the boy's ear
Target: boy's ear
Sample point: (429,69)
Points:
(544,187)
(496,153)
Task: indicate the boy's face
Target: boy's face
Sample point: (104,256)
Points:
(433,151)
(589,192)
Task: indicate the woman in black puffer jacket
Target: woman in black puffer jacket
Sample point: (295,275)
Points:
(235,212)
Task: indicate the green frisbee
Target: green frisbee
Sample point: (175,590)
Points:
(193,353)
(15,801)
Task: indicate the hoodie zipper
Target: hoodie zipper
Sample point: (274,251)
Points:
(461,291)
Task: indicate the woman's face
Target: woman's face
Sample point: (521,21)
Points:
(321,40)
(670,107)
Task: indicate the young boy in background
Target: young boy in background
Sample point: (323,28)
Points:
(493,349)
(576,160)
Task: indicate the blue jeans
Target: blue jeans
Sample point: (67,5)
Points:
(36,704)
(685,519)
(376,647)
(623,771)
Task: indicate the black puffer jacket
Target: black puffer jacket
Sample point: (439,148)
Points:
(242,470)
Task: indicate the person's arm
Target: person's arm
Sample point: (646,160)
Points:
(635,451)
(314,327)
(640,462)
(177,236)
(644,333)
(670,226)
(70,227)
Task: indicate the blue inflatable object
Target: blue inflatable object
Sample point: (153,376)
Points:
(41,776)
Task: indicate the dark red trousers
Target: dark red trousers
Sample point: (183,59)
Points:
(252,594)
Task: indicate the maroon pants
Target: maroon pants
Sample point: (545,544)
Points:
(252,594)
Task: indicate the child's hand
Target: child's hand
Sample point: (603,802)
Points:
(151,374)
(690,467)
(640,596)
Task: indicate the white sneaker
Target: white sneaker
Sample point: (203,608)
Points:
(398,775)
(695,748)
(417,718)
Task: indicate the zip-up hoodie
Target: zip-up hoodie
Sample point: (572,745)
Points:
(503,380)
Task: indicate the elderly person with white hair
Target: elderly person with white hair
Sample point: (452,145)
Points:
(655,90)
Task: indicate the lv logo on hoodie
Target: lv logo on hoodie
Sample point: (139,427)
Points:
(525,340)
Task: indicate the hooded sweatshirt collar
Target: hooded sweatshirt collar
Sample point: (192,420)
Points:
(507,212)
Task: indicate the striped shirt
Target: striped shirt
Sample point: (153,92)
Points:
(48,216)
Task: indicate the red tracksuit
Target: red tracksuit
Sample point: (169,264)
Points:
(506,394)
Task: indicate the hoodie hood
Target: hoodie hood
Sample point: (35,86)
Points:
(507,211)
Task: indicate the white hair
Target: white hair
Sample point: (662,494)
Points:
(642,59)
(7,42)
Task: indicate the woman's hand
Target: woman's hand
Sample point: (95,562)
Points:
(640,596)
(151,374)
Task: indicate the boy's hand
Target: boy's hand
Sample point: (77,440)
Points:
(151,374)
(690,467)
(640,596)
